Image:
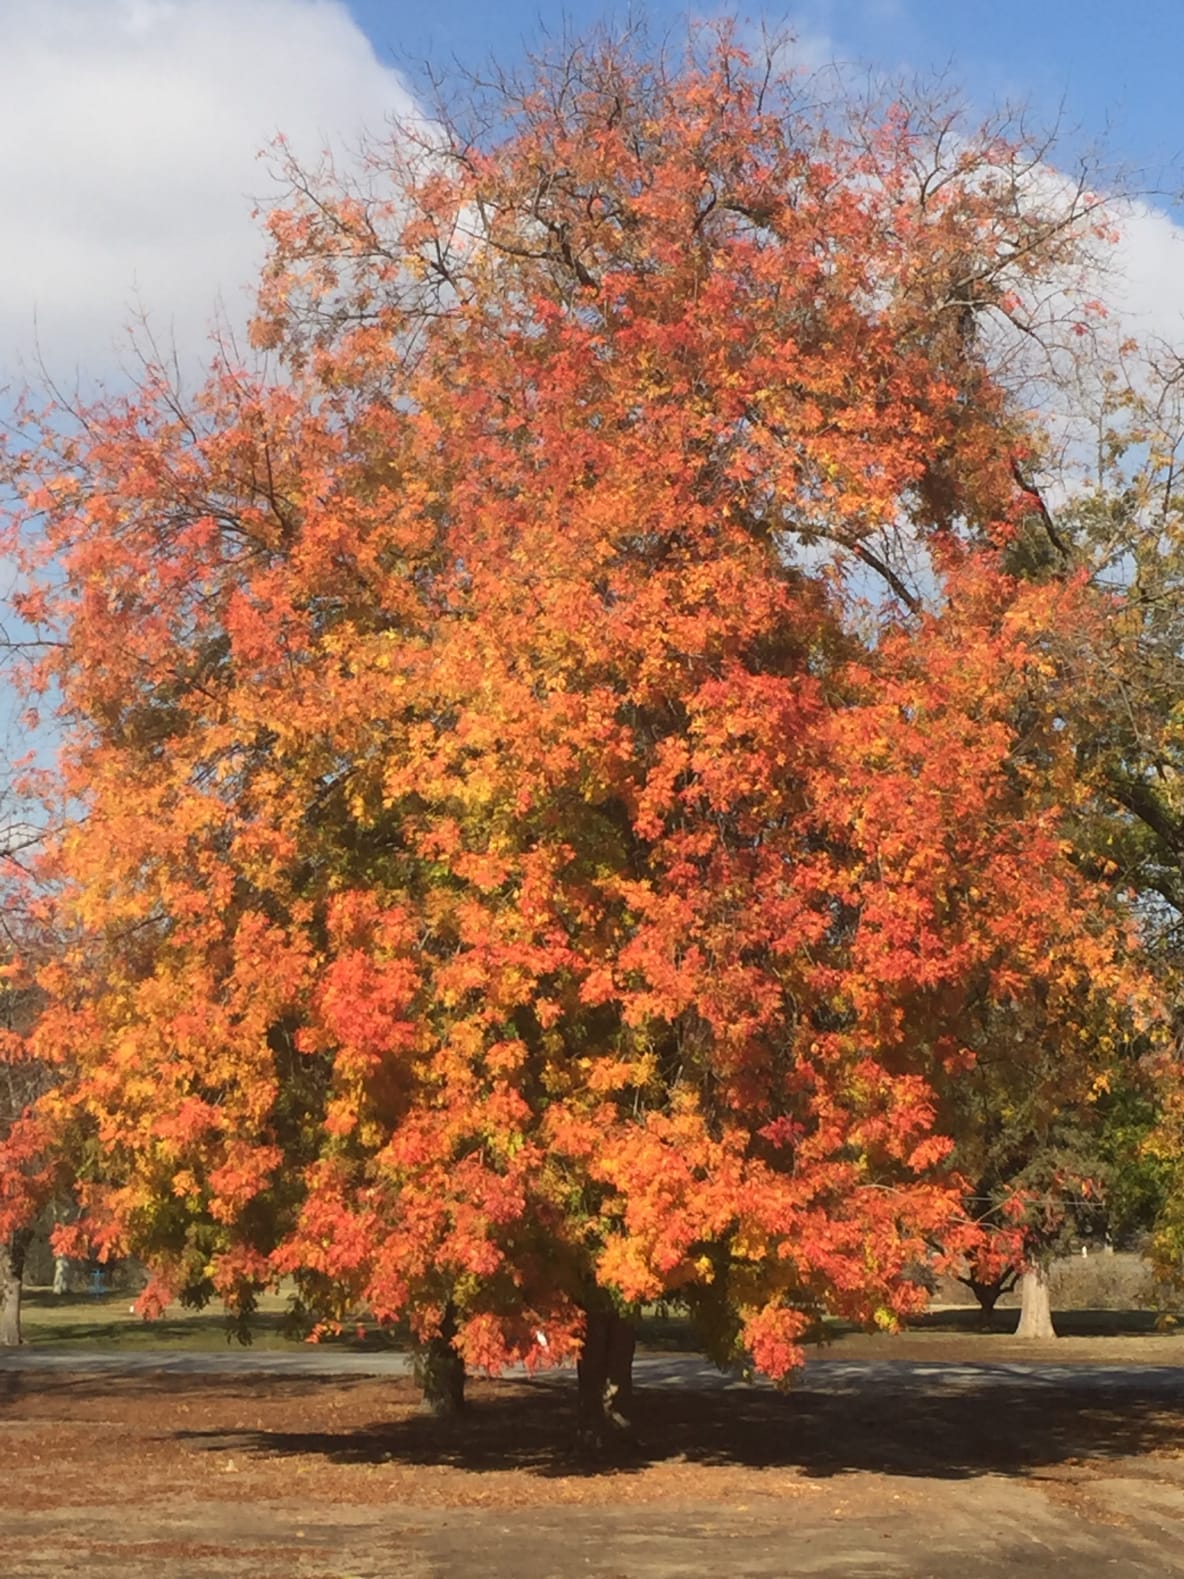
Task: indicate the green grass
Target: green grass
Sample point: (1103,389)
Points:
(108,1321)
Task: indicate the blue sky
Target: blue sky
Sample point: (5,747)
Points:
(1112,70)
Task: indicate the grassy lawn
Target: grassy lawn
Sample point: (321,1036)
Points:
(108,1321)
(1104,1297)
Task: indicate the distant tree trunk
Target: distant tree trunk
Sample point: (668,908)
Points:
(1035,1306)
(12,1272)
(605,1380)
(440,1371)
(61,1274)
(989,1291)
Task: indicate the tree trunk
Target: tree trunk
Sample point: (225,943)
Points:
(605,1378)
(1035,1306)
(12,1272)
(440,1371)
(988,1292)
(61,1274)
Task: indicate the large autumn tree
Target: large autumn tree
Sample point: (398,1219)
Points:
(519,870)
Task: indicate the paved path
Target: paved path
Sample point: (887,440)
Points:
(650,1370)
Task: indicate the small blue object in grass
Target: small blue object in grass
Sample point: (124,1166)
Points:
(98,1281)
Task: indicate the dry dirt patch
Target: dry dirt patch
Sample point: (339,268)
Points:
(247,1477)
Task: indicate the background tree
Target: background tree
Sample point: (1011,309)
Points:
(21,1159)
(1121,683)
(34,1156)
(1050,1155)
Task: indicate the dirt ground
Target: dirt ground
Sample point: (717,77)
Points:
(274,1477)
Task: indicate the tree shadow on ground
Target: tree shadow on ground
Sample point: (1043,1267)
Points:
(919,1429)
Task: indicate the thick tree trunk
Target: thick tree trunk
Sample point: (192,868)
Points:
(12,1272)
(605,1377)
(61,1274)
(440,1371)
(1035,1306)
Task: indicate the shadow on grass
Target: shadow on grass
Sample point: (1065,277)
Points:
(675,1334)
(918,1429)
(199,1332)
(1069,1323)
(106,1321)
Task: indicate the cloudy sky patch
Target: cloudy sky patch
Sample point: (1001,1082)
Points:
(132,131)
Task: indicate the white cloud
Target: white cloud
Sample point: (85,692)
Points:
(131,130)
(1146,286)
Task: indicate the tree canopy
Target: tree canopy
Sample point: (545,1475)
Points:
(562,774)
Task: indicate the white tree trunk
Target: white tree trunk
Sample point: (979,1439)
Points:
(61,1274)
(1035,1305)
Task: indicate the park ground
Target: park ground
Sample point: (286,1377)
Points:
(938,1454)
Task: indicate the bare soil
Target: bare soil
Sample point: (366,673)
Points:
(302,1477)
